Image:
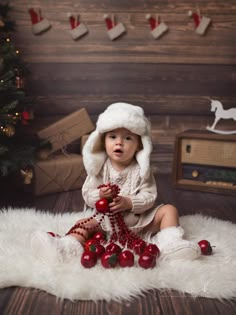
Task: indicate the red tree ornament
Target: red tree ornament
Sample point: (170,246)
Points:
(25,117)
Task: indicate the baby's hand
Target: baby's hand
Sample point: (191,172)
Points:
(120,204)
(105,192)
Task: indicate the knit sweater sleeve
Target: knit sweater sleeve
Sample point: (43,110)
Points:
(145,197)
(90,191)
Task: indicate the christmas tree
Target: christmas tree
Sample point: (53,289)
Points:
(17,151)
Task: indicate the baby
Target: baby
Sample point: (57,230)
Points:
(118,152)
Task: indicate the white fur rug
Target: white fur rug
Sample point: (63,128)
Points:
(211,276)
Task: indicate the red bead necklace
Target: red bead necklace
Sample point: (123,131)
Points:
(120,231)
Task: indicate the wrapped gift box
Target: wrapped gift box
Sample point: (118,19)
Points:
(59,173)
(67,129)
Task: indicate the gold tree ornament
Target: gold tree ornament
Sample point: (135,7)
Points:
(9,130)
(27,176)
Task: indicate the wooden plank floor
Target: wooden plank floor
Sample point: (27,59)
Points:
(23,301)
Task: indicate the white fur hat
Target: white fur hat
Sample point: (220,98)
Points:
(118,115)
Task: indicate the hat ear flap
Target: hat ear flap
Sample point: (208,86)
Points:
(143,156)
(94,154)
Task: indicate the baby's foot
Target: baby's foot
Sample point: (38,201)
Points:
(172,245)
(54,249)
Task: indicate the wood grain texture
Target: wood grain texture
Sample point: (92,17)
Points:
(172,78)
(160,89)
(180,45)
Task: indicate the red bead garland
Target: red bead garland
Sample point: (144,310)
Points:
(81,225)
(120,231)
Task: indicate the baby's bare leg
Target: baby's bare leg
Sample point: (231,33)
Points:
(85,229)
(166,216)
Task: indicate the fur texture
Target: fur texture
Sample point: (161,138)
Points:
(210,276)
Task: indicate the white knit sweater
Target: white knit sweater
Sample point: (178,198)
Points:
(143,193)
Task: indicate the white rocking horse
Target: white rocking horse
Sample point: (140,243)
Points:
(221,113)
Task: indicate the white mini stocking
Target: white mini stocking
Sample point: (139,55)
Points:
(172,245)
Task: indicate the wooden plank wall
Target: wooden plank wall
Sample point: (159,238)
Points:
(173,78)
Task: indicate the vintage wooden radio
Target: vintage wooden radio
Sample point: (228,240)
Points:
(205,161)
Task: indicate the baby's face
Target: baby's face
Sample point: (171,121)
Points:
(121,146)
